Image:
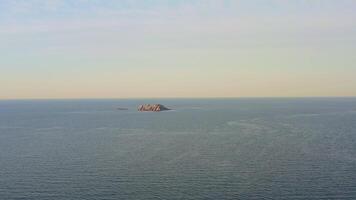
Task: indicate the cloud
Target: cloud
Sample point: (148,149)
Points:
(16,7)
(197,24)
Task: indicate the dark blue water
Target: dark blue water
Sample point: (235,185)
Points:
(204,149)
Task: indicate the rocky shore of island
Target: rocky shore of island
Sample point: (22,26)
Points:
(152,107)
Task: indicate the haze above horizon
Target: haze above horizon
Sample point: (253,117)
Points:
(154,49)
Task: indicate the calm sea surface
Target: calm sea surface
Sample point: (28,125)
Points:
(203,149)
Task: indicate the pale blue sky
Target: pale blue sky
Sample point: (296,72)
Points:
(181,48)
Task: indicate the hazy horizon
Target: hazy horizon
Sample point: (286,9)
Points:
(177,98)
(63,49)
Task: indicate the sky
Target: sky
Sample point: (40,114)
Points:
(177,48)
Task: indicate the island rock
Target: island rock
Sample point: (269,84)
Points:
(152,107)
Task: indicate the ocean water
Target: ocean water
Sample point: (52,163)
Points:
(302,148)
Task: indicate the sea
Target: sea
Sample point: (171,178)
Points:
(233,148)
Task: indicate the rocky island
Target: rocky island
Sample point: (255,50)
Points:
(152,107)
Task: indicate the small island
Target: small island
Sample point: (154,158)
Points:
(122,108)
(152,107)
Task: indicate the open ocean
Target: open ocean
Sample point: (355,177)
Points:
(247,148)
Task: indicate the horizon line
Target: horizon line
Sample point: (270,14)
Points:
(138,98)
